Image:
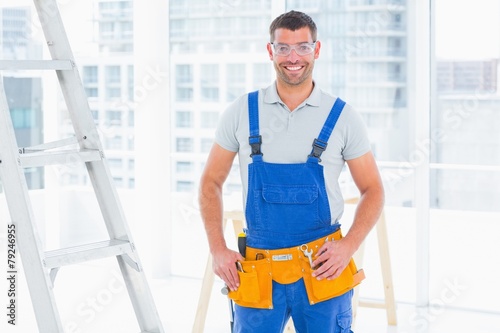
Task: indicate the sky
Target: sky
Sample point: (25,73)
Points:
(467,29)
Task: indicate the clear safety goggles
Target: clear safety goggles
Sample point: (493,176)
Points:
(301,49)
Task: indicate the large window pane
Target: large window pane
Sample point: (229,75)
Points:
(465,154)
(465,121)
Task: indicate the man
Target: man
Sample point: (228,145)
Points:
(291,193)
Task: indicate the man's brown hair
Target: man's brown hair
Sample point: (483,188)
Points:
(293,20)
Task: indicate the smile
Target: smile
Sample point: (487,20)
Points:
(294,68)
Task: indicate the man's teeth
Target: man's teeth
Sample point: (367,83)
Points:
(296,68)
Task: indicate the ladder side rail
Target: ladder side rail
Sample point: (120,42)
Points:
(141,297)
(21,213)
(81,118)
(99,173)
(70,81)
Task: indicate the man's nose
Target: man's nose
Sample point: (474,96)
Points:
(293,56)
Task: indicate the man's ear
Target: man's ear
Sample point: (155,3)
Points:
(316,50)
(270,51)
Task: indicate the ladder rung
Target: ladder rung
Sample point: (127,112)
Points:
(373,304)
(37,159)
(36,64)
(51,145)
(87,252)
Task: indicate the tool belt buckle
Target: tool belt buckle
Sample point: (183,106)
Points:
(282,257)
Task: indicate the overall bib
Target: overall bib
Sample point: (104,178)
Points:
(287,205)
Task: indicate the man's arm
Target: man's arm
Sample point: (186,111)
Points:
(214,175)
(337,254)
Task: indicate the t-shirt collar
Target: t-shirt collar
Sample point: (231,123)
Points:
(272,97)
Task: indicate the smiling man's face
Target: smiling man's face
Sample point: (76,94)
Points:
(293,69)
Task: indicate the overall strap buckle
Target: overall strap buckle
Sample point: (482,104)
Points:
(255,143)
(319,144)
(318,149)
(255,139)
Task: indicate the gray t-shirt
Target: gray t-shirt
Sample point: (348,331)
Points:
(287,137)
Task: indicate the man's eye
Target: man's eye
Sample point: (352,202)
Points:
(304,47)
(282,48)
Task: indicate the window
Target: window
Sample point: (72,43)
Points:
(113,142)
(118,181)
(115,163)
(236,81)
(184,167)
(210,82)
(23,118)
(177,27)
(130,142)
(184,74)
(114,118)
(184,186)
(113,74)
(90,74)
(464,145)
(113,82)
(184,145)
(95,116)
(106,30)
(465,123)
(184,94)
(183,119)
(130,82)
(184,83)
(91,92)
(131,118)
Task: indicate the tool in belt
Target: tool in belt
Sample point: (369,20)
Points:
(288,265)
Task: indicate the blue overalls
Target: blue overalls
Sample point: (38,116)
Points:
(287,205)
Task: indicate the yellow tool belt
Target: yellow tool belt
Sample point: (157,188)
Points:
(286,266)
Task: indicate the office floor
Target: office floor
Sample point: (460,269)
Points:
(98,303)
(410,320)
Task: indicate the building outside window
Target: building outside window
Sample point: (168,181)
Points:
(209,82)
(183,119)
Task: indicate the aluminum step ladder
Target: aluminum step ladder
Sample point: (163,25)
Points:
(41,267)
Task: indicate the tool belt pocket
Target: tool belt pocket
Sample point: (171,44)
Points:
(321,290)
(255,288)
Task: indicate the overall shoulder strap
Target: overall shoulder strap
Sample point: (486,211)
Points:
(319,144)
(255,139)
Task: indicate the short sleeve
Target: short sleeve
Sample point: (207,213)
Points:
(225,134)
(356,138)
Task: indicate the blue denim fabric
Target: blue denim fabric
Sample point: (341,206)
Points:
(290,300)
(287,204)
